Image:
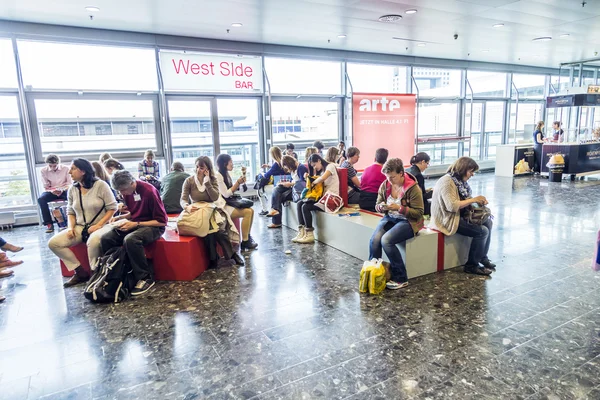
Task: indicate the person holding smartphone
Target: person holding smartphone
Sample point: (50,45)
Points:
(401,199)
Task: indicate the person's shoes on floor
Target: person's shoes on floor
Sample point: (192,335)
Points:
(81,276)
(2,298)
(273,213)
(11,247)
(273,226)
(5,272)
(9,263)
(238,259)
(142,287)
(49,228)
(392,285)
(300,235)
(476,270)
(249,244)
(308,238)
(488,264)
(263,213)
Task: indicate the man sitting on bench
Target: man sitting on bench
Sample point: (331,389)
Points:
(371,180)
(143,224)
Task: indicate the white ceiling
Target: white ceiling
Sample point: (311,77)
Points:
(313,23)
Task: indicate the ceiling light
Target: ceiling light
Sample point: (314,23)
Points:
(92,9)
(497,25)
(341,36)
(390,18)
(542,39)
(421,44)
(412,11)
(237,25)
(565,35)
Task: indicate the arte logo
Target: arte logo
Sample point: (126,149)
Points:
(373,105)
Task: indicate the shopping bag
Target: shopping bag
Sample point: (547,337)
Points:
(372,277)
(331,203)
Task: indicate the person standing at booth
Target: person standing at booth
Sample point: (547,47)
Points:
(558,132)
(56,180)
(538,140)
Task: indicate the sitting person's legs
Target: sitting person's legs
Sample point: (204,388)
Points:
(480,234)
(305,219)
(94,246)
(247,215)
(134,243)
(43,201)
(367,201)
(399,233)
(354,197)
(60,245)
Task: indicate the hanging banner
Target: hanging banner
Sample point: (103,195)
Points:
(383,120)
(211,72)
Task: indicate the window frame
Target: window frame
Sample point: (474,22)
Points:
(31,97)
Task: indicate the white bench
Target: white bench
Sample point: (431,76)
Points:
(430,251)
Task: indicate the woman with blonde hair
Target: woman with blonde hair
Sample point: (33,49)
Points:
(309,152)
(451,201)
(275,170)
(333,155)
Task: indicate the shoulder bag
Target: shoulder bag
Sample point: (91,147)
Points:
(478,215)
(85,235)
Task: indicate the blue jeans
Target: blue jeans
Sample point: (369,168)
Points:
(482,235)
(389,233)
(2,242)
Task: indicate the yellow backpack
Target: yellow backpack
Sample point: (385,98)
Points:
(312,192)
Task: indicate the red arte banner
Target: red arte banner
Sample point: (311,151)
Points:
(183,71)
(383,120)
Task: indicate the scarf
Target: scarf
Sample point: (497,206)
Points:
(200,185)
(464,190)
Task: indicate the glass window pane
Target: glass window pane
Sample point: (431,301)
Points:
(87,67)
(437,119)
(529,86)
(288,76)
(437,82)
(76,127)
(529,115)
(370,78)
(310,121)
(8,72)
(14,181)
(238,134)
(191,130)
(487,84)
(494,116)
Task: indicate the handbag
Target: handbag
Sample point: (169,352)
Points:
(197,223)
(237,201)
(312,192)
(85,234)
(331,203)
(478,215)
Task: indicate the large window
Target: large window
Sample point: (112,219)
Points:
(487,84)
(75,127)
(368,78)
(529,86)
(435,82)
(8,72)
(87,67)
(14,181)
(303,122)
(527,117)
(438,131)
(291,76)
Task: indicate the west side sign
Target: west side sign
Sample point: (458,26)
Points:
(211,72)
(383,120)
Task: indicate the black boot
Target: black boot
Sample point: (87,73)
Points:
(238,259)
(81,276)
(249,244)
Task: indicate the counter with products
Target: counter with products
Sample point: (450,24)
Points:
(580,159)
(514,159)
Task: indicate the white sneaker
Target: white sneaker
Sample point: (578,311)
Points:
(300,235)
(396,285)
(308,238)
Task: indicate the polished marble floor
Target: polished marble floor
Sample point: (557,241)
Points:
(295,327)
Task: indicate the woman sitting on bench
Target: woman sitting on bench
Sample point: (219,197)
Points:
(327,174)
(401,200)
(284,191)
(451,199)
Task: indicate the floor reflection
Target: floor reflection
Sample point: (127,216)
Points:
(294,326)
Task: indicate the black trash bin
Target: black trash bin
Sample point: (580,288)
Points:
(556,165)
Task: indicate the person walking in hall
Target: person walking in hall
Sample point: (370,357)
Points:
(371,180)
(171,187)
(452,196)
(419,163)
(327,174)
(401,200)
(287,191)
(236,209)
(353,181)
(203,187)
(56,181)
(144,224)
(91,206)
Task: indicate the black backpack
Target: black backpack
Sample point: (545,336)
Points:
(112,279)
